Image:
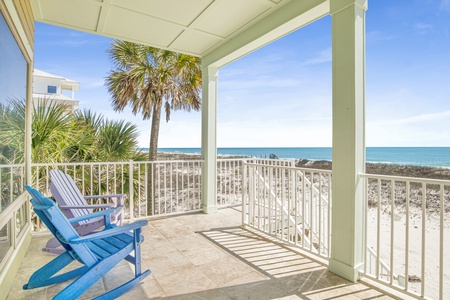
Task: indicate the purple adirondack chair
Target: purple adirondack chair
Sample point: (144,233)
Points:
(73,204)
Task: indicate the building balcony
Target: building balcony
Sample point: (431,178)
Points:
(270,238)
(211,256)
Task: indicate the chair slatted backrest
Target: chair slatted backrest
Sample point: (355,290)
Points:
(60,227)
(65,192)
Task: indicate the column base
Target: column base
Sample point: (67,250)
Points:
(209,209)
(344,270)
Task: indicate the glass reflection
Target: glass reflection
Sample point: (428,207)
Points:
(21,219)
(13,81)
(5,240)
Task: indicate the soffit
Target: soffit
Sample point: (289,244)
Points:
(196,27)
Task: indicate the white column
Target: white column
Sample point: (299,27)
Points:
(348,22)
(209,139)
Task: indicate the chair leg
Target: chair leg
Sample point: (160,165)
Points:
(40,277)
(53,246)
(66,276)
(84,282)
(137,252)
(112,294)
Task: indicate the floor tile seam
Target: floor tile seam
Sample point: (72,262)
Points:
(292,273)
(260,250)
(180,252)
(160,285)
(202,290)
(172,243)
(231,237)
(242,243)
(253,255)
(248,264)
(280,262)
(342,292)
(289,266)
(252,249)
(292,248)
(222,285)
(236,232)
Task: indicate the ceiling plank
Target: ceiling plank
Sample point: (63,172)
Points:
(288,18)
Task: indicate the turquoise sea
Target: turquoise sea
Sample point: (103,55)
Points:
(419,156)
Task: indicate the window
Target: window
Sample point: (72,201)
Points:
(14,210)
(51,89)
(13,87)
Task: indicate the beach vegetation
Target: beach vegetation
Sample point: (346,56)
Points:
(62,136)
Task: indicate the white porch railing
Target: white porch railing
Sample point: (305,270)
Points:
(14,210)
(12,178)
(175,186)
(406,227)
(289,203)
(407,232)
(229,181)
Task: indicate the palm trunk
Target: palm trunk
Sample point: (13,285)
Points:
(153,156)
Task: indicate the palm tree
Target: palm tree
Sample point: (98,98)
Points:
(146,78)
(12,132)
(113,140)
(55,136)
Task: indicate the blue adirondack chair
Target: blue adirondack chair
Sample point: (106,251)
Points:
(99,252)
(73,204)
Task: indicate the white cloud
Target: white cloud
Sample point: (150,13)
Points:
(423,28)
(417,119)
(92,83)
(379,36)
(323,56)
(263,81)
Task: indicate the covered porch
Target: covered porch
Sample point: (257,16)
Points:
(210,256)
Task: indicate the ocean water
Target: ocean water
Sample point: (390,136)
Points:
(419,156)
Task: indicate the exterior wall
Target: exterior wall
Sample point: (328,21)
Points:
(63,88)
(20,23)
(40,85)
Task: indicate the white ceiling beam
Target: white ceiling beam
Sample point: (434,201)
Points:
(103,15)
(288,18)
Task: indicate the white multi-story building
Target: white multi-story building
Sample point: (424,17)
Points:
(51,87)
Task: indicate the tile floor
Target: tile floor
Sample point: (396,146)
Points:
(199,256)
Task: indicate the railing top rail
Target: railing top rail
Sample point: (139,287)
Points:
(169,161)
(111,163)
(232,158)
(12,166)
(282,160)
(79,163)
(289,168)
(404,178)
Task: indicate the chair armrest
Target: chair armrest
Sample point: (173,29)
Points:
(110,232)
(107,205)
(118,196)
(105,196)
(118,210)
(101,213)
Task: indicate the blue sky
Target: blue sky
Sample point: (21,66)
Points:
(280,95)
